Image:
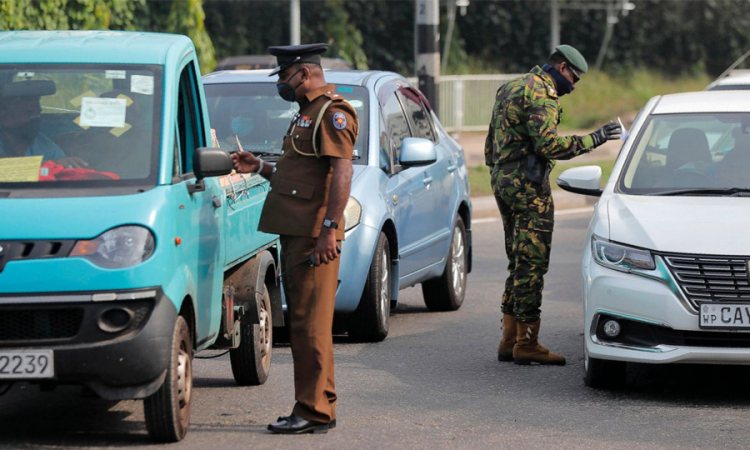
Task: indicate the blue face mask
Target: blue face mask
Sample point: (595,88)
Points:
(242,126)
(563,85)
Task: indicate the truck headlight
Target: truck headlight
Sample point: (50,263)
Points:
(352,213)
(117,248)
(621,257)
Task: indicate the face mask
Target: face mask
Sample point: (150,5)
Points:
(286,91)
(27,131)
(563,85)
(242,126)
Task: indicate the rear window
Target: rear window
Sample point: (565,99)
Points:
(253,116)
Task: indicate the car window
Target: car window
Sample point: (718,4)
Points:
(418,115)
(79,125)
(684,151)
(254,117)
(396,125)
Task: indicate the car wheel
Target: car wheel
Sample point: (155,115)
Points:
(167,410)
(251,361)
(603,373)
(369,322)
(446,293)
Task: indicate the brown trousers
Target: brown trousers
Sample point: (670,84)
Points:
(310,296)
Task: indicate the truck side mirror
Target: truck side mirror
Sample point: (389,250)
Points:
(211,162)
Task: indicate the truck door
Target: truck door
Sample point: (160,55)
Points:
(199,217)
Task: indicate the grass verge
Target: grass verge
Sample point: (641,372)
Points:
(479,176)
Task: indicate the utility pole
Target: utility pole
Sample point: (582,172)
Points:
(428,52)
(294,23)
(554,15)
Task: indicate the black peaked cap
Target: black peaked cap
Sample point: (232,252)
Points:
(286,55)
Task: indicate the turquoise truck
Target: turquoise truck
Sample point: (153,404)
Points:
(127,244)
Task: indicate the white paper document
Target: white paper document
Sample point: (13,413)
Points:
(103,112)
(142,84)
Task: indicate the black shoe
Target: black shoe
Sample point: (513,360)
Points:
(331,424)
(297,425)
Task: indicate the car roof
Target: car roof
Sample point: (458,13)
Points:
(703,102)
(739,80)
(125,47)
(350,77)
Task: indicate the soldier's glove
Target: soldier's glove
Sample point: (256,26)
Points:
(606,133)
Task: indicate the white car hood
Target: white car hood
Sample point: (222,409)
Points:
(704,225)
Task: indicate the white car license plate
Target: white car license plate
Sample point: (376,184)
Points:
(16,364)
(725,315)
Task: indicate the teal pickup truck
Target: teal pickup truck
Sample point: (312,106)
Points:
(125,244)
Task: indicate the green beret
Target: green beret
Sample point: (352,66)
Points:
(573,56)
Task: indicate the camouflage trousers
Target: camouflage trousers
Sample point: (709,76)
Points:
(528,220)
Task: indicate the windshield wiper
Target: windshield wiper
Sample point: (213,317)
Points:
(732,192)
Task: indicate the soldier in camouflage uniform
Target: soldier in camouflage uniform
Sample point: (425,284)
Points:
(520,148)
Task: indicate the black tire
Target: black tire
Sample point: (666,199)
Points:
(369,323)
(446,293)
(603,373)
(167,411)
(251,361)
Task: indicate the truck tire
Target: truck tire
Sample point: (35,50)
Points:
(167,410)
(251,361)
(446,293)
(369,323)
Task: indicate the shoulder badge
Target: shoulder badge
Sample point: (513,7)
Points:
(339,120)
(550,90)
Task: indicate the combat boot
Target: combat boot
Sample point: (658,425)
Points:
(505,349)
(529,350)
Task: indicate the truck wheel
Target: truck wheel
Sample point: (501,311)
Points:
(251,361)
(602,373)
(369,323)
(167,410)
(446,293)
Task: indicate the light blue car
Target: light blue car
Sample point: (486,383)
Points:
(408,219)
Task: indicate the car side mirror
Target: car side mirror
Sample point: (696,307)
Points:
(211,162)
(582,180)
(417,152)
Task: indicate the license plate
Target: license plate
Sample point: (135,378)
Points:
(725,315)
(17,364)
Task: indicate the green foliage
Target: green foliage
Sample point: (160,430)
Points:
(600,97)
(187,17)
(68,14)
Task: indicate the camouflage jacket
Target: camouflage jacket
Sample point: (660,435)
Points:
(525,119)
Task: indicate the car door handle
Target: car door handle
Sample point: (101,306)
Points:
(452,168)
(427,181)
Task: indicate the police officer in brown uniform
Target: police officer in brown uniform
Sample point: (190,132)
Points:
(310,186)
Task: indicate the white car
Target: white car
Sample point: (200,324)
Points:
(665,266)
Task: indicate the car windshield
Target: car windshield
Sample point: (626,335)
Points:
(79,126)
(690,154)
(254,117)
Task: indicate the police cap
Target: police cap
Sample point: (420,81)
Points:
(287,55)
(573,56)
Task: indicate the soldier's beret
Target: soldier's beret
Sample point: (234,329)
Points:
(573,56)
(286,55)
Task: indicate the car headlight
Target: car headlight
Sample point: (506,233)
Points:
(117,248)
(621,257)
(352,213)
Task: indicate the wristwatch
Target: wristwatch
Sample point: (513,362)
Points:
(328,223)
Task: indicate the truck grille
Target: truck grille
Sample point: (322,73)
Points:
(39,324)
(710,278)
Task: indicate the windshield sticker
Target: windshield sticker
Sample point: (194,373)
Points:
(103,112)
(142,84)
(77,100)
(115,74)
(23,169)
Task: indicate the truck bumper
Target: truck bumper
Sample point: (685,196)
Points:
(117,343)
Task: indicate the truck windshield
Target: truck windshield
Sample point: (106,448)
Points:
(79,126)
(690,154)
(252,115)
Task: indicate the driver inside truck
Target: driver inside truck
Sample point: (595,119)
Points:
(20,123)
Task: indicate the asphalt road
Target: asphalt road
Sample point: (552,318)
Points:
(435,382)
